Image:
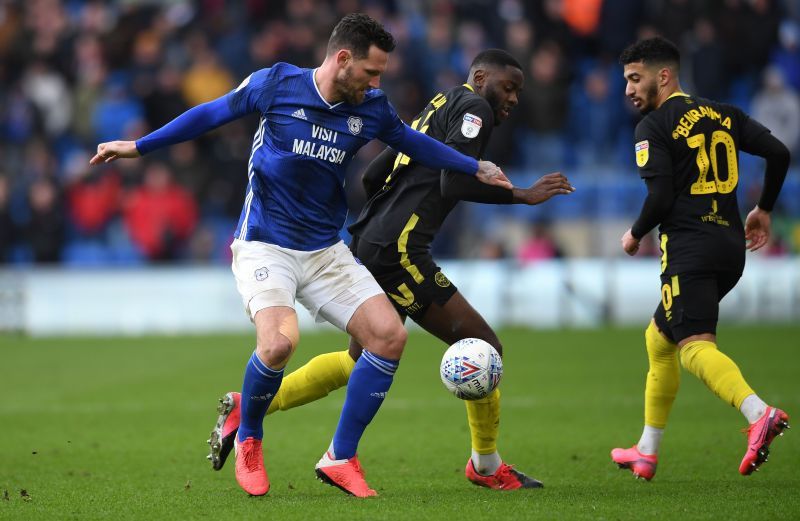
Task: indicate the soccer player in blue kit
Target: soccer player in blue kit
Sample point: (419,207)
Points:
(287,243)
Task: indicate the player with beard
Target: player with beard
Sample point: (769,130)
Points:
(392,237)
(287,245)
(687,153)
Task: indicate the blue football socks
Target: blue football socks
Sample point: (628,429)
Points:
(369,382)
(259,388)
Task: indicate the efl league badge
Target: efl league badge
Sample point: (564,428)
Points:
(471,125)
(642,153)
(261,274)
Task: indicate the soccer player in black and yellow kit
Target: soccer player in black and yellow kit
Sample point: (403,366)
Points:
(687,153)
(407,205)
(406,209)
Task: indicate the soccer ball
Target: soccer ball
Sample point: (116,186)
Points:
(471,369)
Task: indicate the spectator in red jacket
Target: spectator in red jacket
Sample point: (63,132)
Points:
(93,200)
(160,215)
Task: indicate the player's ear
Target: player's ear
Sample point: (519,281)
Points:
(343,56)
(664,76)
(479,77)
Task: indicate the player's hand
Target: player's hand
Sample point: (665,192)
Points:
(491,174)
(108,152)
(757,228)
(630,243)
(546,187)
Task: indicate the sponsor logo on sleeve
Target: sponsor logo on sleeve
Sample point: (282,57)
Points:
(471,125)
(642,153)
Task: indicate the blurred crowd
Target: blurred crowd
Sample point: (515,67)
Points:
(76,73)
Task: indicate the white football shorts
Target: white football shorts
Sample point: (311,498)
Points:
(328,282)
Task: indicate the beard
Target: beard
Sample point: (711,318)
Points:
(346,89)
(493,97)
(648,102)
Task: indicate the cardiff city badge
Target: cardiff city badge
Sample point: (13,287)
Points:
(354,124)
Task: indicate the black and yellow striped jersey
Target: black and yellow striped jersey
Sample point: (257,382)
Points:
(696,142)
(412,202)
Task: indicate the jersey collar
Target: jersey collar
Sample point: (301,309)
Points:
(467,85)
(676,94)
(316,88)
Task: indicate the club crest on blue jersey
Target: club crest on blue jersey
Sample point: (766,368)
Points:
(355,124)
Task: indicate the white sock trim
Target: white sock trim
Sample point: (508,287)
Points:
(486,464)
(650,440)
(327,459)
(753,408)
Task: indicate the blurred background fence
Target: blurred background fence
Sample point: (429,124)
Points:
(574,293)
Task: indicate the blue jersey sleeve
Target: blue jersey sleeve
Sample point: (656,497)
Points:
(255,92)
(248,97)
(421,148)
(432,153)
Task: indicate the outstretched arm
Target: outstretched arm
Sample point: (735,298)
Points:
(464,188)
(192,123)
(433,154)
(543,189)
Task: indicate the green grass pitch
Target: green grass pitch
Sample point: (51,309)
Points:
(116,428)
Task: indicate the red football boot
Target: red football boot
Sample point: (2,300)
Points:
(250,471)
(345,474)
(759,436)
(504,478)
(642,465)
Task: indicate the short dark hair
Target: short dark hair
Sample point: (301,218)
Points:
(497,57)
(656,51)
(357,32)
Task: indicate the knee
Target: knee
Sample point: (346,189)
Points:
(275,352)
(390,341)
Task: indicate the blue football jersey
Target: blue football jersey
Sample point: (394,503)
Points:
(295,195)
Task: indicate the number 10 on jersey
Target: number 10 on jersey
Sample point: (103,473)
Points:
(709,158)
